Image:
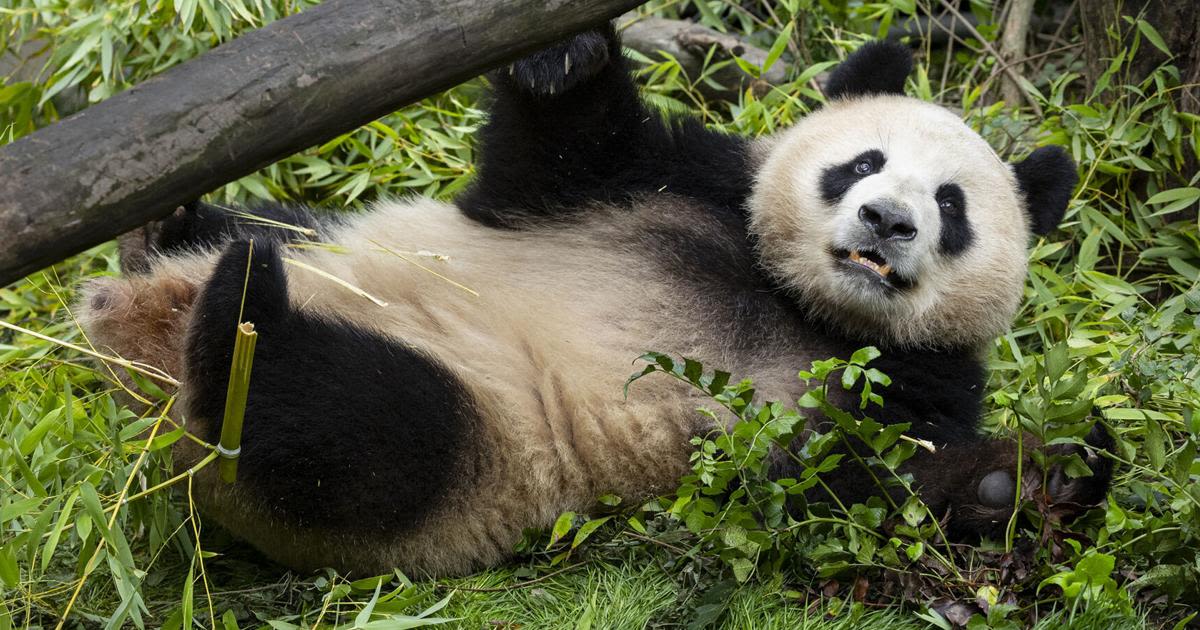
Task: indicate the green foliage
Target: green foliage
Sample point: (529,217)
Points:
(760,525)
(1108,328)
(96,49)
(1091,582)
(729,500)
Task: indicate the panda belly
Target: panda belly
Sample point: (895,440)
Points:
(542,327)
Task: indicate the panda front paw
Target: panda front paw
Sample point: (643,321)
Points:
(985,502)
(562,66)
(1063,490)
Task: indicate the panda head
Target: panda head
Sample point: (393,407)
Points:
(891,220)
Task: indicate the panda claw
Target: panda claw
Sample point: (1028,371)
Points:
(1064,489)
(564,65)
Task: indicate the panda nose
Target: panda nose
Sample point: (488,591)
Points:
(889,222)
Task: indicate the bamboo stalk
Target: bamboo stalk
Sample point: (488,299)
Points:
(170,482)
(230,446)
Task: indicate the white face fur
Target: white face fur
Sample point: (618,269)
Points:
(857,213)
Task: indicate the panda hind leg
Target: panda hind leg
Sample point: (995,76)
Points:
(348,434)
(141,318)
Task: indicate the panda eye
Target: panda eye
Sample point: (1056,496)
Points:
(864,167)
(951,200)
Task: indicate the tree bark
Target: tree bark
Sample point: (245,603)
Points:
(243,105)
(1012,45)
(1177,21)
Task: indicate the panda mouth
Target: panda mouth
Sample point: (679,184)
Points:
(871,261)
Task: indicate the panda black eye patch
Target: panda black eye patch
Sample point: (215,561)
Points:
(838,179)
(957,234)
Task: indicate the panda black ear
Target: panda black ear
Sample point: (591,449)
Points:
(876,68)
(1047,178)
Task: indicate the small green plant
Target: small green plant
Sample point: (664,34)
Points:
(1090,582)
(729,500)
(756,523)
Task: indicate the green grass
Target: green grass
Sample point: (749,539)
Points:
(1108,330)
(628,595)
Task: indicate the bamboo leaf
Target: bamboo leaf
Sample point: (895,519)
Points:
(779,46)
(1151,34)
(561,527)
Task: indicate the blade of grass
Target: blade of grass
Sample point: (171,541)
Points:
(328,276)
(410,261)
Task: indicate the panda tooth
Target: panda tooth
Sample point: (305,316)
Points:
(883,270)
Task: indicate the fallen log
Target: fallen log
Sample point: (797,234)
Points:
(689,44)
(245,104)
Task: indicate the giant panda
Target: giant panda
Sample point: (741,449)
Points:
(480,391)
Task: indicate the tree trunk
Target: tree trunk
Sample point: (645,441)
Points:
(1177,21)
(243,105)
(689,44)
(1012,45)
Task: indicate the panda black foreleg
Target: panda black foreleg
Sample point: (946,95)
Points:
(561,122)
(346,430)
(567,128)
(968,476)
(972,485)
